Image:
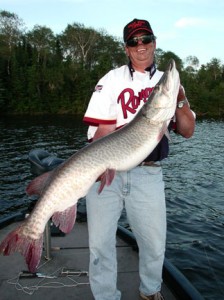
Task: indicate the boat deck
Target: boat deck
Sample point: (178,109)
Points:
(69,252)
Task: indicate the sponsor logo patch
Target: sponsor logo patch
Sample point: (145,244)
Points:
(98,88)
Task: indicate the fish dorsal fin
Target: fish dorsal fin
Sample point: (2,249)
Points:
(37,185)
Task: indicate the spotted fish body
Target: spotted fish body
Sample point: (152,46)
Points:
(121,150)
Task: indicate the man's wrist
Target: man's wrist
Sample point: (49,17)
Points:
(182,102)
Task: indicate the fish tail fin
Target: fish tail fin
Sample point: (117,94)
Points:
(65,219)
(31,249)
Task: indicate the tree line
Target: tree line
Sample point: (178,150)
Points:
(42,72)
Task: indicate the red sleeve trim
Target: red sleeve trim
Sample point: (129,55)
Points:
(96,122)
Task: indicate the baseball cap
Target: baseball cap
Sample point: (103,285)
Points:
(135,26)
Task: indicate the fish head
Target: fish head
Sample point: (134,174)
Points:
(161,104)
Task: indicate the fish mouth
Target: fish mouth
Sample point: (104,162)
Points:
(171,64)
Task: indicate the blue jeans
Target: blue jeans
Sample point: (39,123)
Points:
(141,190)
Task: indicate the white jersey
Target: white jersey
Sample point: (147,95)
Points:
(118,96)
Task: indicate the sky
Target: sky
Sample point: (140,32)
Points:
(185,27)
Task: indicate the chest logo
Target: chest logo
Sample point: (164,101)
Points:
(130,102)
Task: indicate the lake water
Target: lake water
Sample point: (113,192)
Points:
(194,188)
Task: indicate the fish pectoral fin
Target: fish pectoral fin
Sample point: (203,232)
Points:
(106,179)
(65,219)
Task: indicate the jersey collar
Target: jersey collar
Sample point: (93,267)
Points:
(151,69)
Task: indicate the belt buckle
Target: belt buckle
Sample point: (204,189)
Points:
(149,164)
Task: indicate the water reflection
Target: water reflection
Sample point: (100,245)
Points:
(194,188)
(194,178)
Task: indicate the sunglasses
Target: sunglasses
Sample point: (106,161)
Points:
(145,39)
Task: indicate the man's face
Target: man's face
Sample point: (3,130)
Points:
(142,52)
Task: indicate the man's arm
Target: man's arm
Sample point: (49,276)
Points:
(103,129)
(185,118)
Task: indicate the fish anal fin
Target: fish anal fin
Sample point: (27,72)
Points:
(106,179)
(65,220)
(31,249)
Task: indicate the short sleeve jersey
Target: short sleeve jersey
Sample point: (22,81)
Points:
(117,98)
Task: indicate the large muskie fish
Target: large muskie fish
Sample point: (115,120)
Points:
(121,150)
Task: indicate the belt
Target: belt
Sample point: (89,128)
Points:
(150,164)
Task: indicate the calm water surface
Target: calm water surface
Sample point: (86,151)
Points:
(194,188)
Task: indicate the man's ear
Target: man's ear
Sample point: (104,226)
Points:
(126,50)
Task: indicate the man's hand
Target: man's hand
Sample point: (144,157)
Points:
(181,95)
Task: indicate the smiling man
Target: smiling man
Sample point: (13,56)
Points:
(117,98)
(140,44)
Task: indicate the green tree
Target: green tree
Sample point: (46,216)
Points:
(44,73)
(162,58)
(77,42)
(192,63)
(43,40)
(11,29)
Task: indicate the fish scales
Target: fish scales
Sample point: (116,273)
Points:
(121,150)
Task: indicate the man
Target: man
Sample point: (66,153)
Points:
(115,101)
